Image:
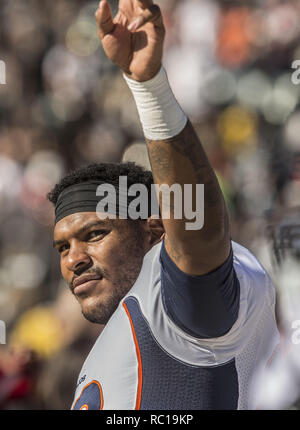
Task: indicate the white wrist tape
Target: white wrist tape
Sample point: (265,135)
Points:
(160,114)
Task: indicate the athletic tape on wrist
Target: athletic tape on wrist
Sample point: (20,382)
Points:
(160,114)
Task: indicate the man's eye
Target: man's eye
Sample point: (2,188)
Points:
(62,248)
(95,234)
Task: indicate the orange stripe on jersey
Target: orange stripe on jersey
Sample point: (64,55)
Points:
(140,371)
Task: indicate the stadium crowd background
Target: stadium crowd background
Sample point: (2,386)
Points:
(65,105)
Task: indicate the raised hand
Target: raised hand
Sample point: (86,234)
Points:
(134,38)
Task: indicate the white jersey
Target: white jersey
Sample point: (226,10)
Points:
(143,360)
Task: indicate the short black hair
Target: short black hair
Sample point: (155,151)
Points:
(107,172)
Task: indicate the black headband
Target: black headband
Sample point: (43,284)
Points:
(83,197)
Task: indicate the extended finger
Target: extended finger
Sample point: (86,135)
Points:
(151,14)
(104,19)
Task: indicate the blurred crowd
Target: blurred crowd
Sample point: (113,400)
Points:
(65,105)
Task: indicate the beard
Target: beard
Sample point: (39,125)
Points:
(99,309)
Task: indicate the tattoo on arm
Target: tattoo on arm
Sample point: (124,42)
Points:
(160,159)
(186,144)
(173,251)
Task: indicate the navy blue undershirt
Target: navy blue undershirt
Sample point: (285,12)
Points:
(204,306)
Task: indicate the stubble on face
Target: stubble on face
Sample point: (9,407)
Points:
(119,274)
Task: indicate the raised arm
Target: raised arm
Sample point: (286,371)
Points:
(134,41)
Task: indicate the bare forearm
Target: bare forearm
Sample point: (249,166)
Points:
(182,160)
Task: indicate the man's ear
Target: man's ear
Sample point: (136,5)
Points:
(155,229)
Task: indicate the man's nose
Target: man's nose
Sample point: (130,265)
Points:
(78,259)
